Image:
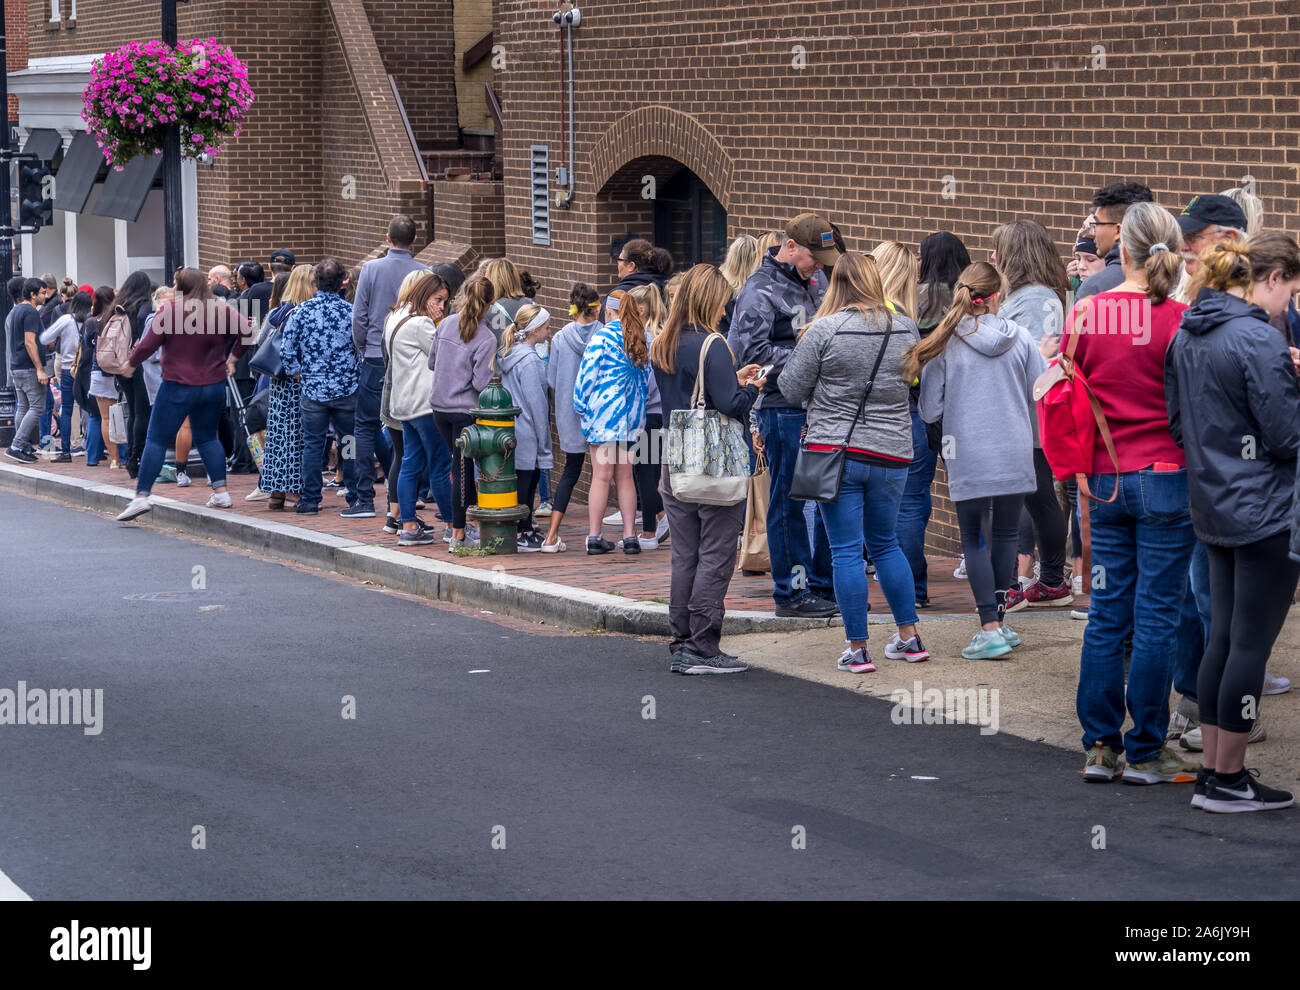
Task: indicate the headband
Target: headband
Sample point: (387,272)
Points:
(541,318)
(1162,246)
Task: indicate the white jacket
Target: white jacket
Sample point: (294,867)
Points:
(408,364)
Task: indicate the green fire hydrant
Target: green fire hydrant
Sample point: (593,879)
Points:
(491,443)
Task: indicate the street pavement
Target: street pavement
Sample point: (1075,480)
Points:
(224,678)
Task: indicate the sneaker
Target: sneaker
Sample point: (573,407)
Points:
(1272,685)
(986,645)
(1015,599)
(166,475)
(1039,595)
(529,542)
(543,510)
(631,545)
(616,519)
(1178,725)
(1203,778)
(1191,739)
(1076,584)
(960,572)
(1244,794)
(421,504)
(910,650)
(256,495)
(67,459)
(21,456)
(810,607)
(686,662)
(661,529)
(651,543)
(358,512)
(219,500)
(1010,635)
(1102,764)
(1079,612)
(469,543)
(598,544)
(78,450)
(307,509)
(1163,768)
(559,546)
(923,603)
(393,527)
(420,537)
(183,480)
(856,661)
(136,507)
(342,492)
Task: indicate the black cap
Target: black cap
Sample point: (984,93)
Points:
(282,256)
(1085,245)
(1210,211)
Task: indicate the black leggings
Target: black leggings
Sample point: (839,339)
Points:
(1076,536)
(564,488)
(137,409)
(990,569)
(395,469)
(526,485)
(646,475)
(1042,519)
(1250,594)
(462,471)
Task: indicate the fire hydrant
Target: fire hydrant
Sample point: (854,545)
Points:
(491,443)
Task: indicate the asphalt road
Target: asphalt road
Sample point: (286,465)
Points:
(222,708)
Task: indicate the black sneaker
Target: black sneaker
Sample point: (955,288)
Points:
(21,456)
(811,607)
(61,459)
(1243,794)
(1203,778)
(530,542)
(307,509)
(419,538)
(686,662)
(598,544)
(393,526)
(358,512)
(630,545)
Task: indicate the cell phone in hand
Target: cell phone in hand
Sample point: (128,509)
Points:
(762,372)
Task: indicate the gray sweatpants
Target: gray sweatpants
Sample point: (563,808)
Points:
(704,559)
(30,405)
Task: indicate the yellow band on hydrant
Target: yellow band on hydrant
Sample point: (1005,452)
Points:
(495,422)
(497,500)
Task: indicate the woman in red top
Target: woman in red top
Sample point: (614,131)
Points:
(1142,540)
(194,332)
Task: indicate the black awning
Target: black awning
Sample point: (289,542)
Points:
(124,192)
(44,143)
(77,174)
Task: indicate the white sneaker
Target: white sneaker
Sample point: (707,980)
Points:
(661,528)
(616,519)
(183,480)
(137,507)
(648,544)
(1275,685)
(220,500)
(543,510)
(960,572)
(559,546)
(1025,582)
(256,495)
(1076,585)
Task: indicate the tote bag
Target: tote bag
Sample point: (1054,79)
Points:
(117,423)
(708,459)
(753,543)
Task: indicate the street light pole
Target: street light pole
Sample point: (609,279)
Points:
(173,209)
(6,204)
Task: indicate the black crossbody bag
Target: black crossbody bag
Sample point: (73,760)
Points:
(818,473)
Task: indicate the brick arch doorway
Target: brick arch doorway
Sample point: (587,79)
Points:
(664,201)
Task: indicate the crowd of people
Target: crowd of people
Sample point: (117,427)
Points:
(1183,328)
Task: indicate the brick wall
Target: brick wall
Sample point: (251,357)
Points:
(16,28)
(416,42)
(470,212)
(1027,105)
(473,19)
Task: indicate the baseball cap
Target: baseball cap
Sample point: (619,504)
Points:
(816,234)
(282,256)
(1206,211)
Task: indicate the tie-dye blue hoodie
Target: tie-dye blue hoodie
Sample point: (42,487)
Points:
(610,392)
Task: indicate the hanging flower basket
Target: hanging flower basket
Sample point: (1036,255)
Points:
(140,88)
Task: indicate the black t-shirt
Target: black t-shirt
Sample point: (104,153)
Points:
(23,319)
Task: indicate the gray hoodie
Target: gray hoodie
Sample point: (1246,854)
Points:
(523,375)
(982,387)
(1036,308)
(567,348)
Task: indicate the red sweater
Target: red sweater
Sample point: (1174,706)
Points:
(1121,352)
(194,343)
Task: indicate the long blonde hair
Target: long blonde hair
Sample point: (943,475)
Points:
(504,276)
(523,316)
(698,302)
(477,297)
(656,312)
(1250,204)
(301,285)
(856,284)
(742,261)
(978,280)
(773,238)
(898,271)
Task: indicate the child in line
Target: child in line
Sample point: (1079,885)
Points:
(523,375)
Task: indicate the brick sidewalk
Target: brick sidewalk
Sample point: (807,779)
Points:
(645,576)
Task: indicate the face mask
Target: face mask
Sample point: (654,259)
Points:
(1075,282)
(543,349)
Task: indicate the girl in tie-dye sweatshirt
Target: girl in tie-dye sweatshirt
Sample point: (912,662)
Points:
(610,397)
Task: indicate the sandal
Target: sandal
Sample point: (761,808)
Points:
(275,503)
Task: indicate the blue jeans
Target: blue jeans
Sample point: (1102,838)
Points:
(1142,543)
(47,414)
(66,406)
(370,438)
(94,434)
(204,405)
(316,419)
(424,454)
(914,509)
(867,511)
(797,569)
(1193,623)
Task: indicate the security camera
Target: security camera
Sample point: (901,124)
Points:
(568,15)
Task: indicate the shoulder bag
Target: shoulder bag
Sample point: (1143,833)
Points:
(708,458)
(818,473)
(266,360)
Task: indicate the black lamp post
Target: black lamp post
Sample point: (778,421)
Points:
(173,210)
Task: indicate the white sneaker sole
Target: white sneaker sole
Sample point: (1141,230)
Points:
(554,547)
(128,514)
(713,670)
(909,657)
(1132,776)
(1235,807)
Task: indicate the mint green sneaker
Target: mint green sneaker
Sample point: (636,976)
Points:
(1010,635)
(986,646)
(1101,763)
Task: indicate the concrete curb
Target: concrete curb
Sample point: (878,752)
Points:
(495,590)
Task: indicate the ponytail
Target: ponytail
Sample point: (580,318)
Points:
(1153,239)
(978,284)
(629,317)
(478,296)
